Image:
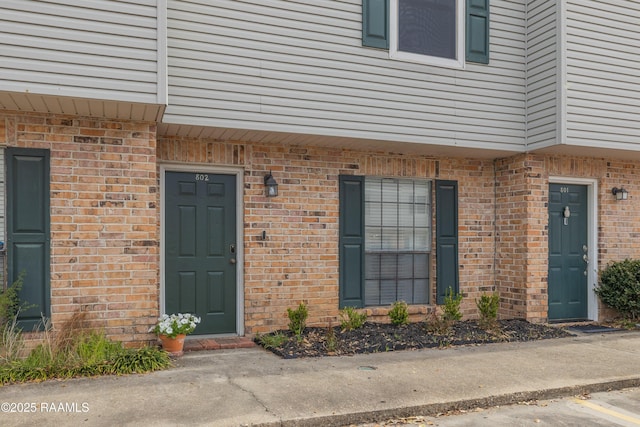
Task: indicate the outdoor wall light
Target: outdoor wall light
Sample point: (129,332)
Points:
(620,193)
(270,186)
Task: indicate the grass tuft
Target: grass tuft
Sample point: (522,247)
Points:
(75,351)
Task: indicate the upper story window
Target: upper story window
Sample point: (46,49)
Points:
(444,33)
(427,31)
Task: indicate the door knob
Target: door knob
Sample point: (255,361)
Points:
(585,258)
(232,261)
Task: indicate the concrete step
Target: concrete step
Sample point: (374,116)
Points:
(197,344)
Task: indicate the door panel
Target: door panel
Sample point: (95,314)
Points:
(567,250)
(215,219)
(216,292)
(200,232)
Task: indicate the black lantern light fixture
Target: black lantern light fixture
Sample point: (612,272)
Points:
(270,186)
(620,193)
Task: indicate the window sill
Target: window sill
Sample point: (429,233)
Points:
(457,64)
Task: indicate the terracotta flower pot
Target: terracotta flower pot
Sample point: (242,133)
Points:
(173,346)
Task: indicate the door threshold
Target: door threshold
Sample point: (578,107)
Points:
(218,343)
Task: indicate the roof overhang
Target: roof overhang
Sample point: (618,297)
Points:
(589,151)
(168,130)
(52,104)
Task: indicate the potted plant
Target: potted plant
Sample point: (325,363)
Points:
(172,329)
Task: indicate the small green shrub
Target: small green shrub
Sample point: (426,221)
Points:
(298,319)
(619,287)
(488,306)
(351,319)
(10,300)
(399,313)
(451,310)
(273,340)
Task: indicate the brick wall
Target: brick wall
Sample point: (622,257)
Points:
(619,230)
(511,217)
(522,185)
(618,221)
(298,261)
(476,227)
(104,215)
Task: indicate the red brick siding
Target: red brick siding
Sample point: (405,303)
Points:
(511,240)
(299,259)
(522,186)
(105,220)
(618,221)
(104,215)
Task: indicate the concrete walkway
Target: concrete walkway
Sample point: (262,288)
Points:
(251,386)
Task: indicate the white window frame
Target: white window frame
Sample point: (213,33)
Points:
(394,53)
(428,251)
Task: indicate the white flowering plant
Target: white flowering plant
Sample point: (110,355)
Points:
(175,324)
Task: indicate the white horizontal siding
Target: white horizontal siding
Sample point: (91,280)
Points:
(542,72)
(299,66)
(603,73)
(81,49)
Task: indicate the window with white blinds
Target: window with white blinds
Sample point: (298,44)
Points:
(397,240)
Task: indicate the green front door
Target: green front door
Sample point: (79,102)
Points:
(201,249)
(568,251)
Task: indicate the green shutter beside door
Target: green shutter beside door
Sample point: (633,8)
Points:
(446,238)
(375,23)
(28,224)
(477,34)
(351,241)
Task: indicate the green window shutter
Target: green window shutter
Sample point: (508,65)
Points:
(446,238)
(351,241)
(28,224)
(375,23)
(477,31)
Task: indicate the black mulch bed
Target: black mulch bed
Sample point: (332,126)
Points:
(375,338)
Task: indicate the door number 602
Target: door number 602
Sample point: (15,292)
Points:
(202,177)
